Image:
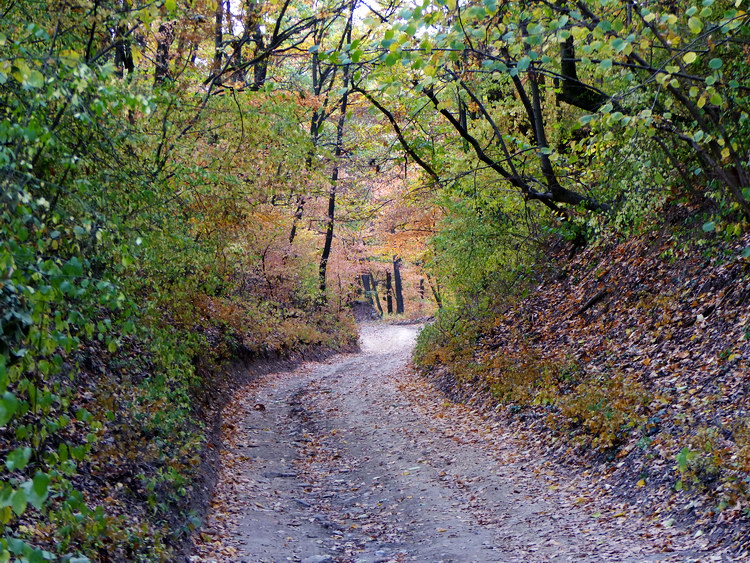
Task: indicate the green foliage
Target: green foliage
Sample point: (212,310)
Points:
(480,250)
(115,228)
(635,111)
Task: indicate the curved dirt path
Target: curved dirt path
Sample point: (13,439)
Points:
(358,460)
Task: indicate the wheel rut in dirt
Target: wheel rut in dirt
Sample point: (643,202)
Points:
(358,460)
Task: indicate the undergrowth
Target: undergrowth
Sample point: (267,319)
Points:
(595,410)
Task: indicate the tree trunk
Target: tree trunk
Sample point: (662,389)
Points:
(123,56)
(123,52)
(330,220)
(435,292)
(218,38)
(164,40)
(375,293)
(368,289)
(315,122)
(388,293)
(260,69)
(573,91)
(398,285)
(297,217)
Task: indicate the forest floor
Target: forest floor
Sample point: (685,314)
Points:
(358,459)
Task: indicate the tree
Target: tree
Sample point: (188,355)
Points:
(398,287)
(469,60)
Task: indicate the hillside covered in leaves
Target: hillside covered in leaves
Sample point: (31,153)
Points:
(188,185)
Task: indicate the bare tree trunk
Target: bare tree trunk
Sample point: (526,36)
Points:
(123,52)
(297,217)
(260,69)
(398,285)
(228,16)
(365,278)
(123,56)
(318,78)
(336,165)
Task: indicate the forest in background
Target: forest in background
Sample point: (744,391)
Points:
(188,182)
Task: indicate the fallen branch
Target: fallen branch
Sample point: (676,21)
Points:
(591,302)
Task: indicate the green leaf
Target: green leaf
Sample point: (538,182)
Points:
(745,252)
(73,267)
(18,501)
(35,79)
(695,24)
(8,407)
(715,64)
(18,458)
(619,44)
(683,458)
(37,490)
(709,227)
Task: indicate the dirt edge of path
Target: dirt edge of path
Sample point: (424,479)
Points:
(210,407)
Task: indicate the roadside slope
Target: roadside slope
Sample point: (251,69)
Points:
(631,362)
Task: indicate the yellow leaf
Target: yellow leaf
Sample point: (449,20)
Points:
(689,57)
(641,483)
(695,24)
(69,57)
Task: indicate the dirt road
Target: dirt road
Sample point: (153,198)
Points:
(358,460)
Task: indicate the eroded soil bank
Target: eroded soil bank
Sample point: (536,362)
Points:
(357,459)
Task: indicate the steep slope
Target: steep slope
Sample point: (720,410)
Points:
(631,360)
